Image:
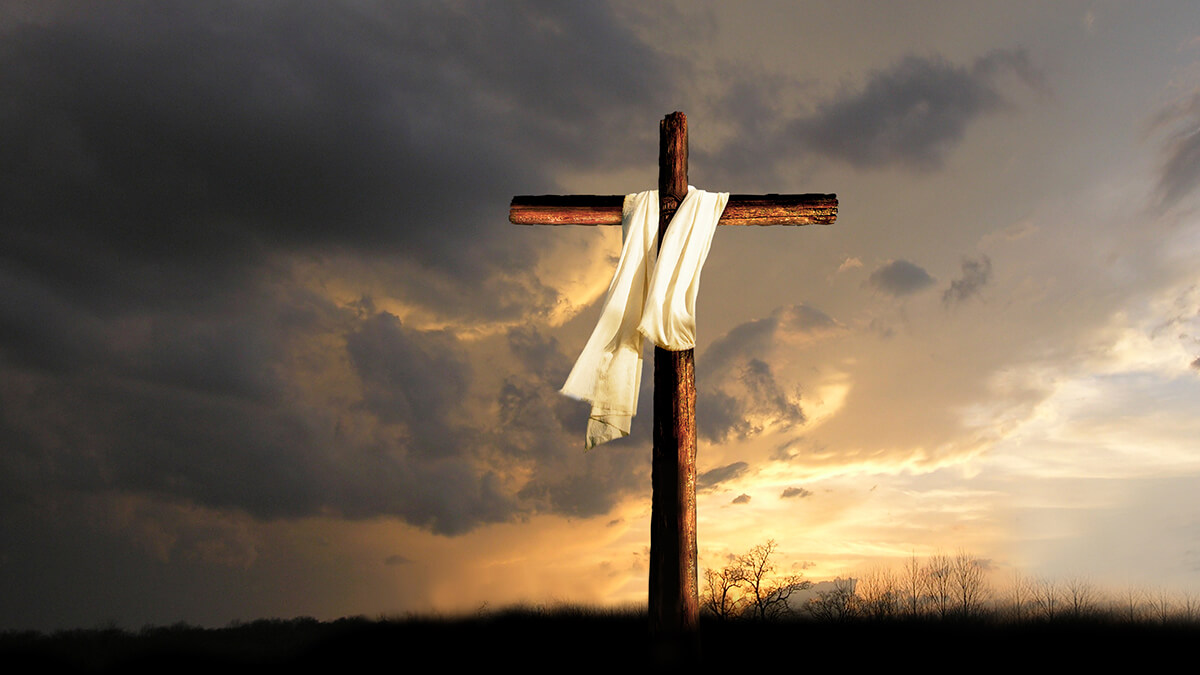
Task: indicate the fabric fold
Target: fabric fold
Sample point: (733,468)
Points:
(651,295)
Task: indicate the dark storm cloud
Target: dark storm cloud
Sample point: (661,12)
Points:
(208,439)
(738,394)
(42,329)
(900,277)
(741,499)
(909,115)
(543,430)
(1180,172)
(976,272)
(539,354)
(192,409)
(178,143)
(414,378)
(591,490)
(714,477)
(794,492)
(913,113)
(164,166)
(751,103)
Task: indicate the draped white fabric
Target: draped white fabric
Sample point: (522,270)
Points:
(650,295)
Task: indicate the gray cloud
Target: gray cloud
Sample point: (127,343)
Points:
(741,499)
(766,395)
(759,400)
(900,277)
(881,328)
(714,477)
(43,330)
(1180,171)
(717,414)
(762,139)
(539,354)
(545,435)
(591,490)
(414,378)
(543,431)
(910,115)
(914,113)
(1196,363)
(794,492)
(738,393)
(976,272)
(396,559)
(754,338)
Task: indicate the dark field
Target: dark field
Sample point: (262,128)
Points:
(578,640)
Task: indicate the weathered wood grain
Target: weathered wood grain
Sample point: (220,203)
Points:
(768,209)
(674,590)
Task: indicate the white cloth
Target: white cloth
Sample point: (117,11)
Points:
(650,295)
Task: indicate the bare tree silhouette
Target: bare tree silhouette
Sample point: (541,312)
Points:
(1188,606)
(767,595)
(1164,606)
(721,597)
(939,583)
(970,583)
(1132,601)
(1046,598)
(839,604)
(879,593)
(749,587)
(1080,597)
(913,590)
(1023,593)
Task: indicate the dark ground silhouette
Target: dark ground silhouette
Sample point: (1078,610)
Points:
(582,640)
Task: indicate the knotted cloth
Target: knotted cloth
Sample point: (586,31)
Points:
(651,295)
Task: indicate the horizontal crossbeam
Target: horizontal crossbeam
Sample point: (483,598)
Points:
(769,209)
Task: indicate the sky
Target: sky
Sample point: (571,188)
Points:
(269,346)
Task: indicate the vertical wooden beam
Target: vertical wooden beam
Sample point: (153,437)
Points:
(674,596)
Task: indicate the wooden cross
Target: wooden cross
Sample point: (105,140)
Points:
(674,593)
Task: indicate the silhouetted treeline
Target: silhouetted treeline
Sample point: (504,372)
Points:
(958,587)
